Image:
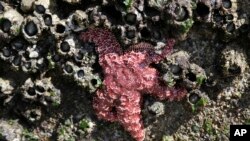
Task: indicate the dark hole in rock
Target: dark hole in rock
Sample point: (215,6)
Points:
(175,69)
(194,98)
(47,20)
(65,47)
(63,59)
(93,82)
(130,18)
(130,34)
(68,69)
(234,69)
(15,3)
(31,91)
(26,55)
(229,17)
(156,34)
(60,28)
(44,45)
(30,28)
(18,44)
(63,9)
(218,18)
(230,27)
(33,115)
(117,32)
(56,58)
(1,8)
(202,10)
(5,25)
(244,28)
(40,88)
(17,60)
(41,51)
(96,67)
(114,15)
(145,33)
(151,11)
(6,52)
(79,56)
(182,13)
(191,76)
(74,21)
(80,73)
(40,9)
(227,4)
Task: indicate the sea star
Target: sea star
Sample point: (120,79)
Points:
(126,77)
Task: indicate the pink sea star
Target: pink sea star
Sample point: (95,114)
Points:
(126,77)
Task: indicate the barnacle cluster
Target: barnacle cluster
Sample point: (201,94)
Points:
(233,61)
(41,41)
(41,91)
(178,70)
(224,15)
(36,41)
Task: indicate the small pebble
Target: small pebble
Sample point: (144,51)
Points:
(33,54)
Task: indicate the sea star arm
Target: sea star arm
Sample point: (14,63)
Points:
(129,114)
(104,40)
(103,106)
(163,92)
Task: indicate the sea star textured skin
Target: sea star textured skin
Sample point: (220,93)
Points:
(126,77)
